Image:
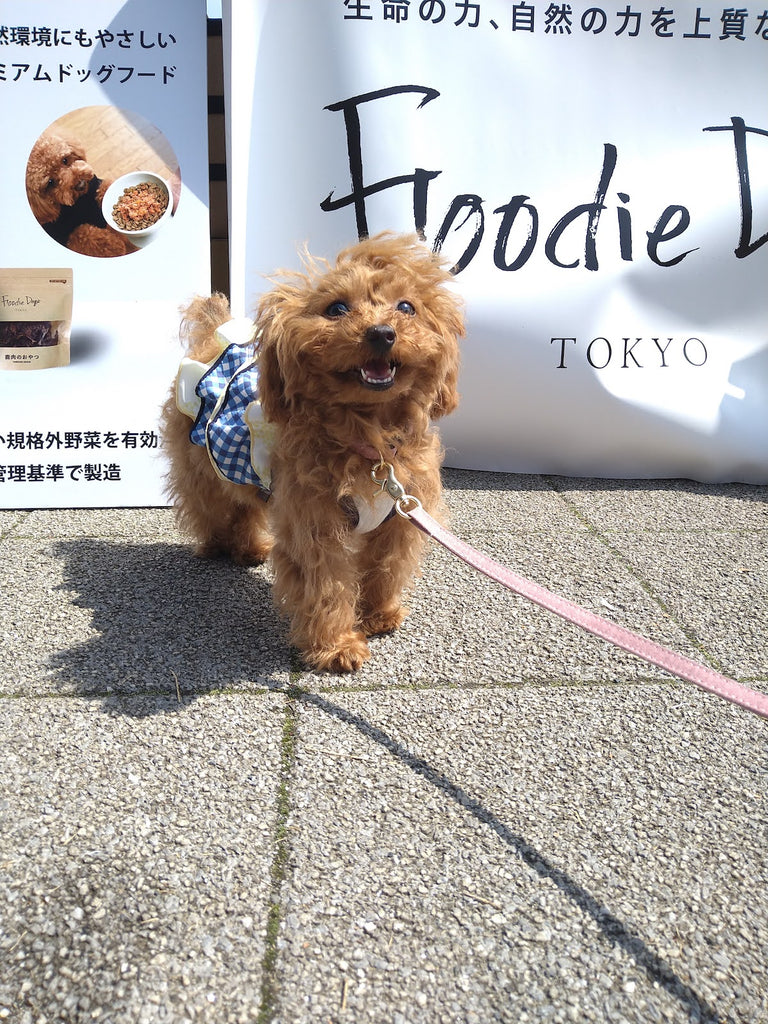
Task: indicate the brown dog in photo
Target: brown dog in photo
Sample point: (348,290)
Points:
(65,196)
(354,361)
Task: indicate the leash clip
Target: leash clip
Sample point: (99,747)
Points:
(394,489)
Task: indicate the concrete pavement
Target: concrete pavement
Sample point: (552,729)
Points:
(500,818)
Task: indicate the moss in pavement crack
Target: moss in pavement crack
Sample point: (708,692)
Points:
(279,866)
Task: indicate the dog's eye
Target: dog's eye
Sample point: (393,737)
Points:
(407,308)
(51,183)
(337,309)
(65,160)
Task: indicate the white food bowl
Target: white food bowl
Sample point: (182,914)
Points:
(141,236)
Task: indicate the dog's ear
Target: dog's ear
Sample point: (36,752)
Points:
(45,209)
(271,385)
(450,326)
(447,397)
(268,345)
(42,202)
(278,341)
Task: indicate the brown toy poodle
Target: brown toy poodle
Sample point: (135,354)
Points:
(354,360)
(65,196)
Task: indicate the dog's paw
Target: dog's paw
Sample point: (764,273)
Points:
(254,554)
(383,621)
(348,654)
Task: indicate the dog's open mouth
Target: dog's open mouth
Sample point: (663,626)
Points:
(378,374)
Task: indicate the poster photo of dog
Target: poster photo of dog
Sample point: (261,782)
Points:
(72,165)
(350,362)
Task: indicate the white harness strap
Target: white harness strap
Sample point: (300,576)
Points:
(371,513)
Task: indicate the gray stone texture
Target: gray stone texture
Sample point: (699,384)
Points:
(499,818)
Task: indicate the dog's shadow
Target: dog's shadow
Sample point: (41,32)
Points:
(167,623)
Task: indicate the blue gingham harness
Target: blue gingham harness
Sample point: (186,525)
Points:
(230,422)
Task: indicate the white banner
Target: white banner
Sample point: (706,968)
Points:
(599,176)
(93,91)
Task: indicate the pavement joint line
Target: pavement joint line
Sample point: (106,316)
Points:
(130,695)
(553,682)
(645,586)
(268,1007)
(295,688)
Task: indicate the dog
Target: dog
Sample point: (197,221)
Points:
(354,360)
(65,196)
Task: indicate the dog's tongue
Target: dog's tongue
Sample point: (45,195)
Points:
(377,371)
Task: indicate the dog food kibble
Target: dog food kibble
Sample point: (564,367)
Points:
(140,206)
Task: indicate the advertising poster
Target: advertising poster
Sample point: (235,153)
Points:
(597,173)
(104,187)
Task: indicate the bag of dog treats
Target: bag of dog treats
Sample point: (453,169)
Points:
(35,318)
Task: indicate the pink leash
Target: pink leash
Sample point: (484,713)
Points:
(687,669)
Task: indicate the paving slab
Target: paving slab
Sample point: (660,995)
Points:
(715,586)
(464,627)
(556,854)
(698,551)
(711,588)
(506,501)
(659,505)
(105,615)
(136,853)
(129,523)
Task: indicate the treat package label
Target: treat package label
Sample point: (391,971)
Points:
(35,318)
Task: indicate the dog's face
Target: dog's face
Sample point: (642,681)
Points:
(58,174)
(377,328)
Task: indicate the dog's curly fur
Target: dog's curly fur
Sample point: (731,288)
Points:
(383,304)
(65,196)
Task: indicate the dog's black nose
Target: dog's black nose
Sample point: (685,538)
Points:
(381,337)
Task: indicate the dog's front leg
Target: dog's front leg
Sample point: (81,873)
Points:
(316,587)
(388,565)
